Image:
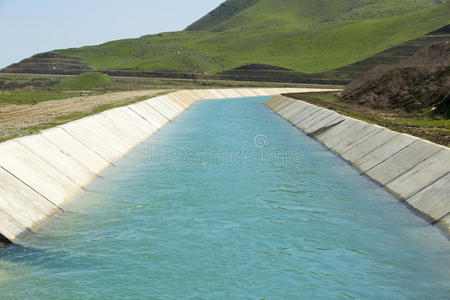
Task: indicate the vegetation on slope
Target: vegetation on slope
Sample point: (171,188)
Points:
(224,12)
(388,57)
(87,81)
(287,15)
(25,89)
(308,36)
(33,96)
(412,96)
(420,83)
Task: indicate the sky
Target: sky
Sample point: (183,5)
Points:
(29,27)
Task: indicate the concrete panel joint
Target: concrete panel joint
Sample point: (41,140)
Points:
(39,174)
(414,170)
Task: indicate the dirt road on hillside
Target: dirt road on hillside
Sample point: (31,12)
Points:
(19,120)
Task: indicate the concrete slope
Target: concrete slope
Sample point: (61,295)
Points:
(78,151)
(149,114)
(415,170)
(39,174)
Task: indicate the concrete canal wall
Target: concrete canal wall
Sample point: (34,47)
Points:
(42,172)
(415,170)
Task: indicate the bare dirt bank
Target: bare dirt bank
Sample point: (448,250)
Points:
(19,120)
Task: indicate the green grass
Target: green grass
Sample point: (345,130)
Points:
(427,123)
(328,97)
(305,14)
(33,96)
(305,36)
(87,81)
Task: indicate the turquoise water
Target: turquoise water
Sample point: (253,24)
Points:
(230,201)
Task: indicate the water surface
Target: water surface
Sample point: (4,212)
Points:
(230,201)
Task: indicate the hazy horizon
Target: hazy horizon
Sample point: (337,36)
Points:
(46,25)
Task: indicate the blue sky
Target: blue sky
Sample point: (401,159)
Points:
(33,26)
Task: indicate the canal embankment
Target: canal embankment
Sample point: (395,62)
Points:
(41,173)
(416,171)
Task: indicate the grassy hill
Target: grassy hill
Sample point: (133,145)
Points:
(87,81)
(287,15)
(224,12)
(304,36)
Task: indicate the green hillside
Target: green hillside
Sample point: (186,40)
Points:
(87,81)
(308,36)
(287,15)
(225,11)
